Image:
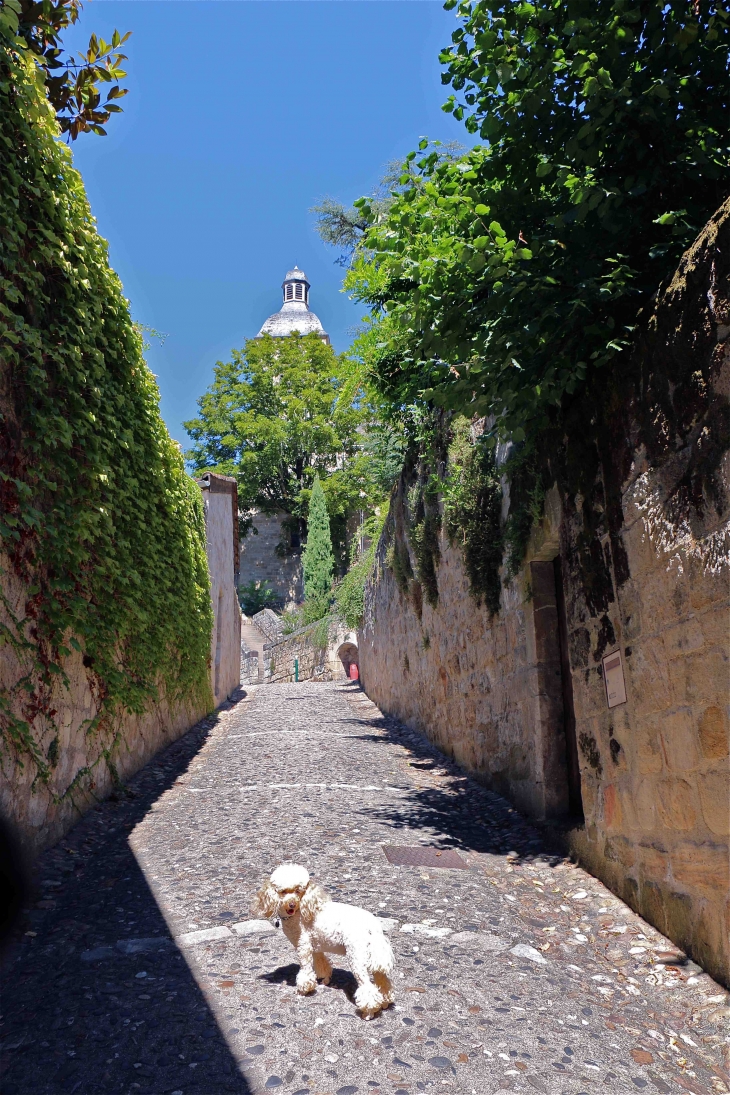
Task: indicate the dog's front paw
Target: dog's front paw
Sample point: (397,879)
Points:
(306,982)
(369,1001)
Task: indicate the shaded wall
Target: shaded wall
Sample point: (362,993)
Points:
(644,578)
(261,563)
(480,688)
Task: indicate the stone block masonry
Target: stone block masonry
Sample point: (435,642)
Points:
(312,652)
(302,654)
(269,624)
(639,790)
(249,665)
(42,812)
(260,561)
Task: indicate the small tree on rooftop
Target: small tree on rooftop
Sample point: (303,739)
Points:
(318,560)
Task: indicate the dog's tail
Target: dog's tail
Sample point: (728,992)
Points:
(382,959)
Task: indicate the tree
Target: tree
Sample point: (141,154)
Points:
(318,561)
(277,416)
(343,227)
(385,444)
(73,86)
(498,282)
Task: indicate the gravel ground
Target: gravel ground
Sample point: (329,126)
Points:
(138,969)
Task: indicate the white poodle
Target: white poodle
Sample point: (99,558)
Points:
(317,927)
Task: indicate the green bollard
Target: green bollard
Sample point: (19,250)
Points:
(296,670)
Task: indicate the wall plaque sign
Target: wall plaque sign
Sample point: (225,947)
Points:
(613,676)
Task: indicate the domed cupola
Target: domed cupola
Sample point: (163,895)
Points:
(294,314)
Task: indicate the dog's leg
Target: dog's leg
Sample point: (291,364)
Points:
(385,985)
(368,997)
(322,967)
(306,978)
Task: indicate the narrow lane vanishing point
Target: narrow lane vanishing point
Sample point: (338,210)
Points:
(140,970)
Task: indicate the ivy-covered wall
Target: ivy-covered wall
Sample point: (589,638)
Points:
(105,619)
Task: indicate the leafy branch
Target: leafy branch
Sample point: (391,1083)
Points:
(74,86)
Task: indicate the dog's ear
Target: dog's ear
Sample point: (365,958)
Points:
(266,901)
(312,902)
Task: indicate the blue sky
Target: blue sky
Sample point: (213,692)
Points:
(240,116)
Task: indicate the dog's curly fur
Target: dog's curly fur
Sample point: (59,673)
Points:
(317,926)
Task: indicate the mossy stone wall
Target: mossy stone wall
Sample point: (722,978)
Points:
(640,518)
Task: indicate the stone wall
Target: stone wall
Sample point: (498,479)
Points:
(260,562)
(220,498)
(269,624)
(82,775)
(469,682)
(321,651)
(521,699)
(87,765)
(249,665)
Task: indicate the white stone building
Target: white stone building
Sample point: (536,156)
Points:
(294,314)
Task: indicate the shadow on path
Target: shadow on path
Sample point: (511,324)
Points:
(96,997)
(452,810)
(341,979)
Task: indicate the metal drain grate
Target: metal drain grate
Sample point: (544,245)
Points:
(420,856)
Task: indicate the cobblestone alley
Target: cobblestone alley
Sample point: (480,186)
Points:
(135,970)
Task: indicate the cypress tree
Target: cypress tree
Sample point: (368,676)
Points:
(318,560)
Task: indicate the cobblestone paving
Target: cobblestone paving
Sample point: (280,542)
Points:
(139,971)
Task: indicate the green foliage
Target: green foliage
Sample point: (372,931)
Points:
(424,526)
(275,418)
(73,87)
(350,592)
(98,519)
(315,608)
(449,470)
(254,596)
(472,495)
(343,227)
(499,282)
(318,561)
(319,636)
(398,560)
(339,226)
(525,471)
(385,444)
(351,493)
(292,620)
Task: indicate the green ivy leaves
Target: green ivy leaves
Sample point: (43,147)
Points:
(97,516)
